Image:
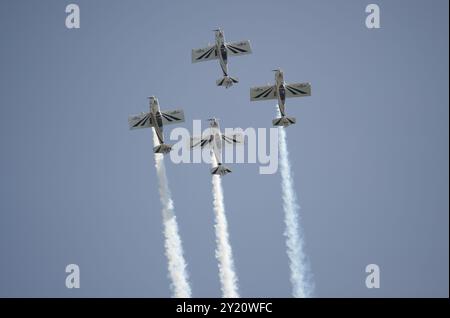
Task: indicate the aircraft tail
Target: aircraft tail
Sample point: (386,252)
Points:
(162,148)
(284,121)
(227,81)
(220,169)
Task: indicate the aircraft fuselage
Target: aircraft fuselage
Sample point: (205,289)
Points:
(155,114)
(222,52)
(281,90)
(216,143)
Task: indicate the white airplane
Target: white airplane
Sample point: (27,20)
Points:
(157,119)
(216,140)
(280,91)
(221,50)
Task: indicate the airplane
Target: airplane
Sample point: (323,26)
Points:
(215,139)
(221,50)
(280,91)
(156,119)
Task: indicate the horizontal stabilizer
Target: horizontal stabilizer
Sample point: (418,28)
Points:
(162,148)
(227,81)
(284,121)
(220,170)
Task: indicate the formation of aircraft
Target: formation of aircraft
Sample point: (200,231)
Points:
(157,119)
(280,90)
(221,50)
(216,140)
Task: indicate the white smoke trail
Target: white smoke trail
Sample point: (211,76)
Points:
(224,255)
(174,250)
(302,285)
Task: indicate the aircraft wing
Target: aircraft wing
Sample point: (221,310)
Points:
(200,141)
(172,117)
(239,48)
(263,92)
(204,54)
(298,89)
(142,120)
(233,139)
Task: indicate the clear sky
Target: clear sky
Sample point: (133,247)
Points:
(369,150)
